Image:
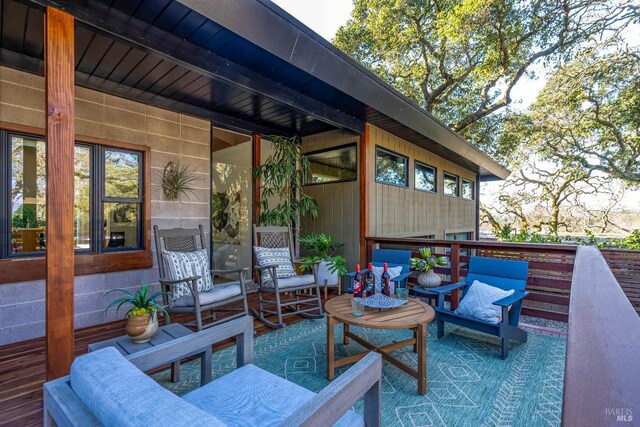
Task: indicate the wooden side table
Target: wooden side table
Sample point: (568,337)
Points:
(415,316)
(170,332)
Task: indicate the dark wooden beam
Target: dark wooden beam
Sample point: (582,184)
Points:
(134,32)
(365,189)
(60,135)
(34,65)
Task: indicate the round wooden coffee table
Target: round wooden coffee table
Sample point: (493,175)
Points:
(415,315)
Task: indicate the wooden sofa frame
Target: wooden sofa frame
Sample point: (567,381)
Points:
(62,406)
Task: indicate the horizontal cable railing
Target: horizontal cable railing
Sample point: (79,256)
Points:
(602,375)
(550,267)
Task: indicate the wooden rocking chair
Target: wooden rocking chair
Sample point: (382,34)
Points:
(281,293)
(220,295)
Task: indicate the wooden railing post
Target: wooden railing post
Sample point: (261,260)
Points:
(60,134)
(455,273)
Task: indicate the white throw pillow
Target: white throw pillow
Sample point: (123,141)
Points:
(279,256)
(182,265)
(393,273)
(478,302)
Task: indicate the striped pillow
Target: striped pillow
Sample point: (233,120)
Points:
(182,265)
(279,256)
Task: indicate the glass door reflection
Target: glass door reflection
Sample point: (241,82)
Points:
(231,200)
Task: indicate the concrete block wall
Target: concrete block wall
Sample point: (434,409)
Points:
(171,137)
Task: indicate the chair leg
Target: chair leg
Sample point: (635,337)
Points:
(326,289)
(279,309)
(320,312)
(440,329)
(199,321)
(505,348)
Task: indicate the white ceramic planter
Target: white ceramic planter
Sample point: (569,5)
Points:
(325,274)
(429,279)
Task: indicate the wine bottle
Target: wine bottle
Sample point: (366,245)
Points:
(371,288)
(357,283)
(386,281)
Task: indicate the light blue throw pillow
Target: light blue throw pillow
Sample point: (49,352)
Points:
(478,302)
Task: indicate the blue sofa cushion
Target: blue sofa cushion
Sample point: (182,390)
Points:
(478,302)
(119,394)
(250,396)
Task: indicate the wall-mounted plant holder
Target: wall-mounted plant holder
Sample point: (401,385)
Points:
(178,179)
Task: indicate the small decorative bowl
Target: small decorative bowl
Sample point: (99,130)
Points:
(382,301)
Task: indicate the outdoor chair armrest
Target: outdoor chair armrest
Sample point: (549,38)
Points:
(511,299)
(264,267)
(448,288)
(401,277)
(163,354)
(336,399)
(175,282)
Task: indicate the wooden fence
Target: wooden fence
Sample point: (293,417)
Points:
(550,268)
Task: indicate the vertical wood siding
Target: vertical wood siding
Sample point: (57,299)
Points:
(406,212)
(339,212)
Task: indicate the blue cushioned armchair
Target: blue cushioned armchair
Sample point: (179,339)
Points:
(503,274)
(393,258)
(105,388)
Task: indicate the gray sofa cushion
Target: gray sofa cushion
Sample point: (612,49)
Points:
(250,396)
(216,294)
(182,265)
(292,282)
(119,394)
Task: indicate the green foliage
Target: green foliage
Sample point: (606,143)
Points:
(140,300)
(178,179)
(461,59)
(320,247)
(588,114)
(426,261)
(507,234)
(282,196)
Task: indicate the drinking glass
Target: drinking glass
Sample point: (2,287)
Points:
(357,306)
(402,294)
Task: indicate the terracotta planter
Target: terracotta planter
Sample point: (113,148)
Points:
(429,279)
(141,328)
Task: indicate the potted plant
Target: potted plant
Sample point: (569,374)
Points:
(142,318)
(428,278)
(320,247)
(283,199)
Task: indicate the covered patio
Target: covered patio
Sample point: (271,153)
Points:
(157,78)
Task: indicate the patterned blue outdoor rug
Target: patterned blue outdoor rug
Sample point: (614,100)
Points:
(468,383)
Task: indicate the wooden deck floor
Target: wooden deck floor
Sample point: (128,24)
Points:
(22,368)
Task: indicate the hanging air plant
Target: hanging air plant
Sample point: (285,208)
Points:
(178,179)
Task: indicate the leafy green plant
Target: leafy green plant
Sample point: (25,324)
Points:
(178,179)
(320,247)
(426,261)
(282,196)
(142,302)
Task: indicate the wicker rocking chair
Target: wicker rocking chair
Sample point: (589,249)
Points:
(212,301)
(276,294)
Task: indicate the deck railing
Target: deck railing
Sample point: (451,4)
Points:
(550,268)
(602,370)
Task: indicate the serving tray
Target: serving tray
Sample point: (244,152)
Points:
(382,301)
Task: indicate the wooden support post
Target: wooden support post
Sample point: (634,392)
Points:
(365,188)
(256,180)
(60,135)
(455,274)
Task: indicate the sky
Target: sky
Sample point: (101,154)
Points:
(326,16)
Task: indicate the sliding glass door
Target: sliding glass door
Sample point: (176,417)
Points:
(231,200)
